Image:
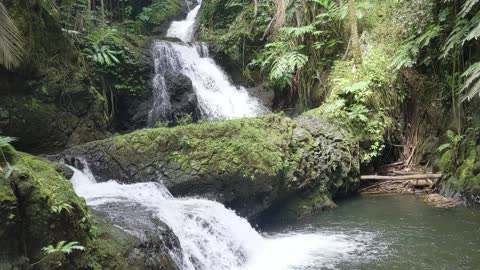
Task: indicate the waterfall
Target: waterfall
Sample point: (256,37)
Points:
(218,98)
(184,30)
(213,237)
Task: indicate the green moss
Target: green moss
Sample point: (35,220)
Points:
(246,147)
(160,12)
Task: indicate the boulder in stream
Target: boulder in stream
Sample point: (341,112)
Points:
(248,164)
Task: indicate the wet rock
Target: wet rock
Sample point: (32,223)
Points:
(183,99)
(149,242)
(45,126)
(247,164)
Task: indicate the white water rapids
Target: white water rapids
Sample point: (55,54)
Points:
(218,98)
(213,237)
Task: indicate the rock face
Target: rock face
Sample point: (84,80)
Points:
(38,207)
(247,164)
(183,99)
(150,241)
(48,102)
(42,124)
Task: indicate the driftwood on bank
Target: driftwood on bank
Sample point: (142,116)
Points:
(400,177)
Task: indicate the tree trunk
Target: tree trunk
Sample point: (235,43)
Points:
(102,9)
(357,52)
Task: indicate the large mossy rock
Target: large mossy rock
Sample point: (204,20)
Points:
(38,207)
(247,164)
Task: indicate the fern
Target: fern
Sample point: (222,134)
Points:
(298,31)
(63,247)
(286,65)
(464,30)
(467,7)
(408,53)
(472,82)
(5,141)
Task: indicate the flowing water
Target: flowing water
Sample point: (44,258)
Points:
(213,237)
(391,232)
(217,96)
(406,233)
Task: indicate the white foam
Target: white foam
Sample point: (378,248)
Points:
(213,237)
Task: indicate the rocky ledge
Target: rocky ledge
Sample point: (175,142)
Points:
(247,164)
(38,207)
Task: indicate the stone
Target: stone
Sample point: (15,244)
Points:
(183,99)
(248,164)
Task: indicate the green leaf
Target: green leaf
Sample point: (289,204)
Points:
(442,147)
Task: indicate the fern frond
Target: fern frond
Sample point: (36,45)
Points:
(11,45)
(297,31)
(475,28)
(456,36)
(472,82)
(63,247)
(469,4)
(4,140)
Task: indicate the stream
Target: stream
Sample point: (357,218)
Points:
(364,232)
(406,233)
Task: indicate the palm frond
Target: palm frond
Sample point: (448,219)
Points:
(11,45)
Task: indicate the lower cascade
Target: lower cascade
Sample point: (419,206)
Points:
(213,237)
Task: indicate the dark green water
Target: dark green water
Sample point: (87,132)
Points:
(395,232)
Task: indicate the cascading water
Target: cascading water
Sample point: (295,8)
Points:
(218,98)
(213,237)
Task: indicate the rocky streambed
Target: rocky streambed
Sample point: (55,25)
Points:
(250,165)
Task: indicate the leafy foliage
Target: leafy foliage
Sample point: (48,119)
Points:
(102,55)
(409,52)
(460,160)
(11,43)
(4,143)
(472,81)
(466,29)
(63,247)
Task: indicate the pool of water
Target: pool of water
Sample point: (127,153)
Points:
(391,232)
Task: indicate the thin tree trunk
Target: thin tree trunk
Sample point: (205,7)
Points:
(102,9)
(357,52)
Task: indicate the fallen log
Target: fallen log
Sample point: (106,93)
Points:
(400,177)
(395,173)
(394,164)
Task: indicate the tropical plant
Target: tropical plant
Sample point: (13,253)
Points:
(11,44)
(466,29)
(59,207)
(5,142)
(102,55)
(62,247)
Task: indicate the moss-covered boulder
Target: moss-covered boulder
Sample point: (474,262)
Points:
(38,207)
(247,164)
